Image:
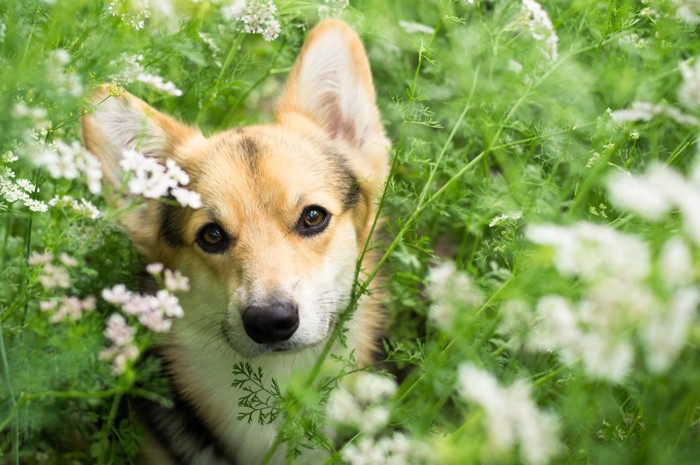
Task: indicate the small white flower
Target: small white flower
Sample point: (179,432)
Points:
(511,415)
(372,387)
(158,83)
(540,26)
(416,28)
(118,331)
(675,263)
(154,268)
(116,295)
(175,281)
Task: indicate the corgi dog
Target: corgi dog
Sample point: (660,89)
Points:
(287,208)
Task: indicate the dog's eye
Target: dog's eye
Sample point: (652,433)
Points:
(313,220)
(212,238)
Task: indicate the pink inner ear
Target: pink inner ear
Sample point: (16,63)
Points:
(337,125)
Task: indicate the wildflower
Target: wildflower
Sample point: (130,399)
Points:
(688,11)
(257,16)
(39,258)
(158,83)
(689,92)
(123,349)
(514,216)
(592,251)
(83,207)
(117,295)
(416,28)
(67,260)
(540,26)
(131,12)
(153,180)
(332,8)
(176,281)
(675,263)
(14,189)
(511,415)
(450,289)
(645,111)
(372,387)
(154,268)
(69,161)
(54,277)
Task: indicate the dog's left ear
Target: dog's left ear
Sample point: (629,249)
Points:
(331,84)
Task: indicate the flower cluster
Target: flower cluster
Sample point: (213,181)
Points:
(64,80)
(134,15)
(450,290)
(540,26)
(83,206)
(257,16)
(130,70)
(619,305)
(154,312)
(154,180)
(123,349)
(69,161)
(512,416)
(689,92)
(359,405)
(55,276)
(332,8)
(13,189)
(646,111)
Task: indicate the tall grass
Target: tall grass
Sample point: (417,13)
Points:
(542,232)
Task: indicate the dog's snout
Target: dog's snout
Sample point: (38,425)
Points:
(273,321)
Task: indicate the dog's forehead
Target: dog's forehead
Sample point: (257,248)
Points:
(273,164)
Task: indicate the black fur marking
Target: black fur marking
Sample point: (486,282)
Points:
(345,179)
(171,225)
(250,151)
(180,431)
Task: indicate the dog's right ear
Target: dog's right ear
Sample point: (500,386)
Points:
(123,122)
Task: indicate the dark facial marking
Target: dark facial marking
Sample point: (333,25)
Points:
(250,151)
(344,179)
(172,219)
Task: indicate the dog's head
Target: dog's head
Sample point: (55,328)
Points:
(271,253)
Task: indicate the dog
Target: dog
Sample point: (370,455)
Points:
(271,255)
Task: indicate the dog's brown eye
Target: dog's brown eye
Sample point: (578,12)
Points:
(212,238)
(313,220)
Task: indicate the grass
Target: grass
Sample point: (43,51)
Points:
(521,258)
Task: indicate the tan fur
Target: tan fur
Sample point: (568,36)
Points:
(254,182)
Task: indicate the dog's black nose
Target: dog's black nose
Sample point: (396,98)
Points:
(273,321)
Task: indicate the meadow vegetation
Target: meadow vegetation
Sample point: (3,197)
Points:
(540,249)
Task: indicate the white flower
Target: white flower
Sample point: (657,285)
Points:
(54,277)
(118,331)
(154,180)
(675,263)
(342,407)
(593,251)
(416,28)
(363,452)
(371,387)
(168,304)
(158,83)
(84,206)
(541,28)
(645,111)
(116,295)
(505,217)
(175,281)
(257,16)
(637,195)
(154,268)
(39,258)
(512,417)
(68,161)
(665,335)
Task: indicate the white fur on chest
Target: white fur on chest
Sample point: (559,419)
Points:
(205,378)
